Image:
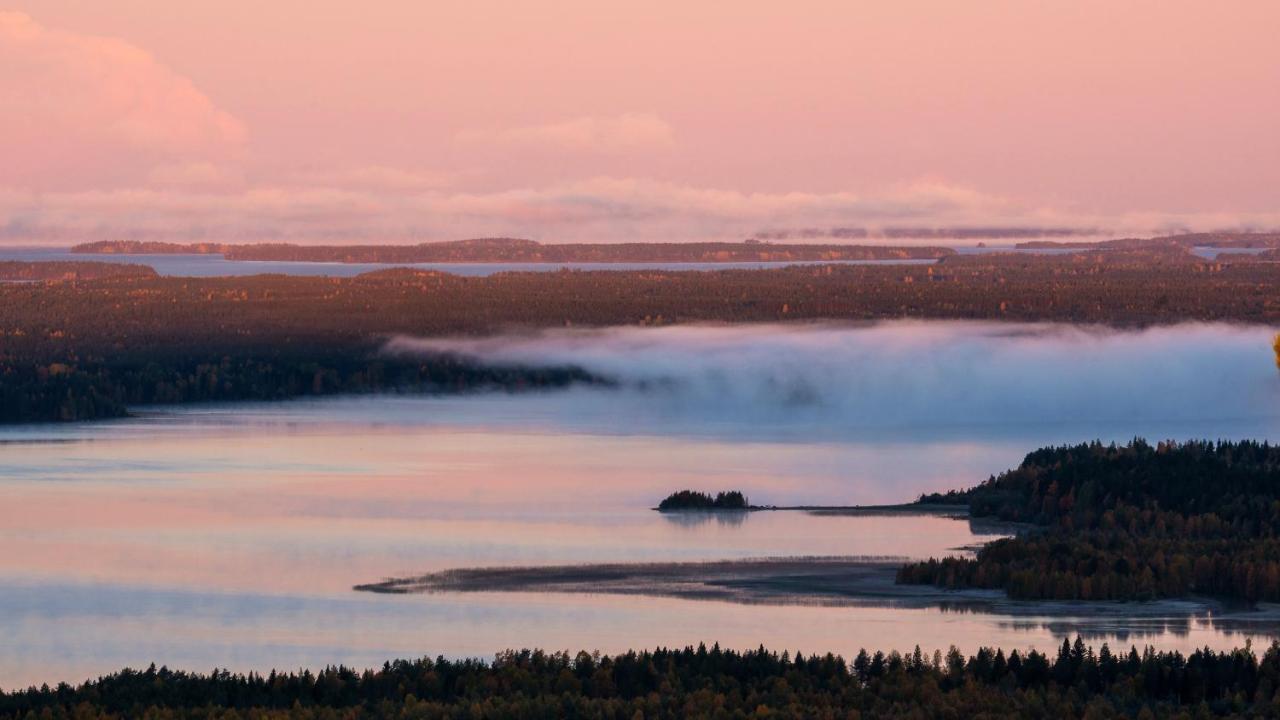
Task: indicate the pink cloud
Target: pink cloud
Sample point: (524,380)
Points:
(600,210)
(629,131)
(375,178)
(94,110)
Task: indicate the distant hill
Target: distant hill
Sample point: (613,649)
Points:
(137,247)
(926,233)
(482,250)
(1188,241)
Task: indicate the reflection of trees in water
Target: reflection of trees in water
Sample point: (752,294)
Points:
(1122,630)
(990,526)
(1126,627)
(1120,627)
(693,519)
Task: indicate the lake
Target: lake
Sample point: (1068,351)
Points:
(232,535)
(218,266)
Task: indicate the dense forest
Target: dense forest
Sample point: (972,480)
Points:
(704,682)
(1266,256)
(480,250)
(1111,288)
(694,500)
(77,349)
(108,386)
(14,271)
(1137,521)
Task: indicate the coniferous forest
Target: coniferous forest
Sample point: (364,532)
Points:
(1131,522)
(78,341)
(1075,681)
(694,500)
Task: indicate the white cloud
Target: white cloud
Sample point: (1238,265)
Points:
(79,109)
(619,133)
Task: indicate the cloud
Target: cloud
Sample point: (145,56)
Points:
(82,109)
(379,178)
(604,209)
(196,176)
(389,206)
(1050,383)
(619,133)
(108,142)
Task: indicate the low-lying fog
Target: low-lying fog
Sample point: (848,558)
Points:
(881,380)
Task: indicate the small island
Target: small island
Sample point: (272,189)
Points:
(699,501)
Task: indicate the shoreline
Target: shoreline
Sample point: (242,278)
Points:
(807,580)
(939,509)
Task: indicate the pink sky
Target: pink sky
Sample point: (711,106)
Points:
(665,119)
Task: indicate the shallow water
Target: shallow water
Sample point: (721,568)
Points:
(231,535)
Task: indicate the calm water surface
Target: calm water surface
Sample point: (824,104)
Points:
(231,535)
(218,266)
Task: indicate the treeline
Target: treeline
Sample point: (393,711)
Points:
(107,388)
(966,232)
(694,500)
(1137,521)
(699,683)
(527,251)
(148,247)
(13,270)
(1188,240)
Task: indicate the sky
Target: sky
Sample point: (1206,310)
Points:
(569,120)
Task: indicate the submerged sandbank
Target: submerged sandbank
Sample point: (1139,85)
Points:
(827,581)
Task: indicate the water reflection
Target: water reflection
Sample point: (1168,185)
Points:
(693,519)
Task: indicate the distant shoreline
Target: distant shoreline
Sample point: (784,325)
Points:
(944,509)
(515,250)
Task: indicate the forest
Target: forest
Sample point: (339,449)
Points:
(701,682)
(82,348)
(15,271)
(694,500)
(107,387)
(1130,522)
(1189,240)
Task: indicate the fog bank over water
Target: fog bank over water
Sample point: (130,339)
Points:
(943,377)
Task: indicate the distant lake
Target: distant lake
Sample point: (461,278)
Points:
(216,265)
(231,535)
(1210,253)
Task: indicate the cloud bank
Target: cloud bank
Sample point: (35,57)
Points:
(207,202)
(1058,383)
